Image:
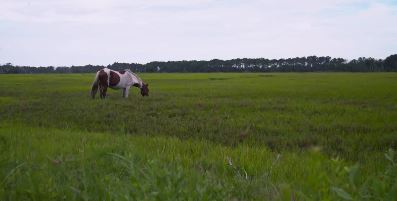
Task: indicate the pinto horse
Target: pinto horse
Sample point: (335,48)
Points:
(117,80)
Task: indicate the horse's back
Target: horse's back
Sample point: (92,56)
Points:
(117,79)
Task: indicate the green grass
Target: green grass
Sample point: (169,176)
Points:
(218,136)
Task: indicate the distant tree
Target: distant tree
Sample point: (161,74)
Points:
(390,63)
(297,64)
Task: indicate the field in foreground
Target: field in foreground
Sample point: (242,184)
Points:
(314,136)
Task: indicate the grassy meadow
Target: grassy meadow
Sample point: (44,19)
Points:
(215,136)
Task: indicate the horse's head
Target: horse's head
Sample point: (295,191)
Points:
(145,89)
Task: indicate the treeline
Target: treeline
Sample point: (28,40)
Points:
(298,64)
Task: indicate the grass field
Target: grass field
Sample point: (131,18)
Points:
(218,136)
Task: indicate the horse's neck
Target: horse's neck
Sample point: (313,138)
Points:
(136,79)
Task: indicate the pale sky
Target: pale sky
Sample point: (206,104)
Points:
(79,32)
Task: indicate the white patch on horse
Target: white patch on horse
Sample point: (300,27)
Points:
(107,71)
(127,79)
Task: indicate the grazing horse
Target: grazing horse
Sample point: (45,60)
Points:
(117,80)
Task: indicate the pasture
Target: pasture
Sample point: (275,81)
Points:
(215,136)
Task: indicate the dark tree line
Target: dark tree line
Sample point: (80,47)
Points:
(298,64)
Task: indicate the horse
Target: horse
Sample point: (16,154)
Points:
(117,80)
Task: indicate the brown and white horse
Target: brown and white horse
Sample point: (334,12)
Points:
(117,80)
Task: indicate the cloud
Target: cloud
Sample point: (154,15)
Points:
(66,32)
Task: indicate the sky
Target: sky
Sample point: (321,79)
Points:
(101,32)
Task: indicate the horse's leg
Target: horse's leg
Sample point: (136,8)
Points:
(105,88)
(126,91)
(101,91)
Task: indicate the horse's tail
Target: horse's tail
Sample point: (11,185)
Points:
(95,85)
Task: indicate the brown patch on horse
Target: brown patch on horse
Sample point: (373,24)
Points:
(102,77)
(103,83)
(114,79)
(122,72)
